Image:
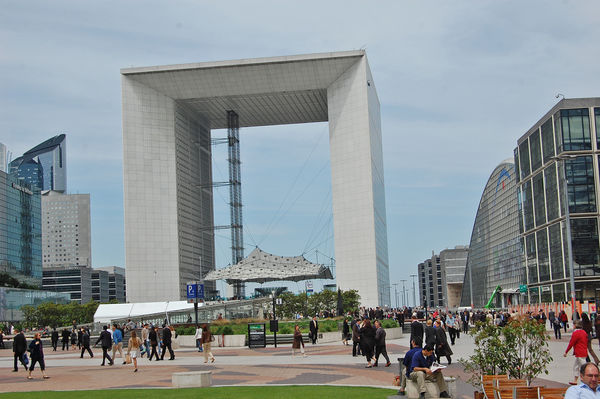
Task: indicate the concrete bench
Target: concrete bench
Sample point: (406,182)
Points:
(192,379)
(412,389)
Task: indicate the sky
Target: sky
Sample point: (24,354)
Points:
(459,82)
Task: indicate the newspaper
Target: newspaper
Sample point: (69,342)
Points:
(435,366)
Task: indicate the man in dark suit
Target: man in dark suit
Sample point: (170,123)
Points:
(314,329)
(85,342)
(106,340)
(355,338)
(65,339)
(54,339)
(19,348)
(166,338)
(416,329)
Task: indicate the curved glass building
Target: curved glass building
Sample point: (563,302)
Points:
(495,252)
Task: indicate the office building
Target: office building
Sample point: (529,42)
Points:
(100,286)
(73,280)
(44,165)
(168,115)
(441,278)
(3,158)
(20,230)
(66,229)
(564,142)
(12,299)
(495,252)
(117,287)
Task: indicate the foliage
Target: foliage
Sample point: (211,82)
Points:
(313,304)
(6,280)
(288,392)
(519,349)
(58,315)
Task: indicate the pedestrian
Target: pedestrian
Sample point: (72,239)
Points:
(198,337)
(380,348)
(367,341)
(579,343)
(451,324)
(54,338)
(117,339)
(557,327)
(441,343)
(298,342)
(37,355)
(564,320)
(65,338)
(405,374)
(106,345)
(133,347)
(79,337)
(586,325)
(73,339)
(355,338)
(85,342)
(153,337)
(421,364)
(345,332)
(429,333)
(145,348)
(416,329)
(166,343)
(1,339)
(207,339)
(314,329)
(19,349)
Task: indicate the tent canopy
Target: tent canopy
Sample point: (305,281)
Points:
(261,267)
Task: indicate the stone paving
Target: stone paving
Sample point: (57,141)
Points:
(330,364)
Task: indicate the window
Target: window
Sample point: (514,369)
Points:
(524,159)
(556,255)
(542,250)
(585,247)
(527,205)
(547,140)
(536,150)
(581,187)
(538,199)
(531,259)
(551,192)
(575,129)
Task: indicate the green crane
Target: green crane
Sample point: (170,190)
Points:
(496,291)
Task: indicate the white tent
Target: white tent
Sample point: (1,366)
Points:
(108,312)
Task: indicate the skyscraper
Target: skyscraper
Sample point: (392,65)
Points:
(44,165)
(3,156)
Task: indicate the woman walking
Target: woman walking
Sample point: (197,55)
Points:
(367,341)
(207,339)
(133,347)
(37,356)
(298,342)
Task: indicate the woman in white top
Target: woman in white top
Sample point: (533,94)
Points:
(198,338)
(133,347)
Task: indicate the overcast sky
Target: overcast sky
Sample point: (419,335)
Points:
(459,82)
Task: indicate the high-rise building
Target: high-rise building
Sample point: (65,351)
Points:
(3,158)
(66,229)
(117,287)
(44,165)
(168,114)
(100,286)
(441,277)
(495,252)
(73,280)
(20,230)
(564,142)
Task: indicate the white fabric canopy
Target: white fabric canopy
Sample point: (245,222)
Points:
(108,312)
(260,267)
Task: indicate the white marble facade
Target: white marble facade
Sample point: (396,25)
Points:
(160,243)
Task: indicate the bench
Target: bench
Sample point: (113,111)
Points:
(191,379)
(412,389)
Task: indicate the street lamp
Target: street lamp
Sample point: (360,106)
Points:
(396,294)
(561,164)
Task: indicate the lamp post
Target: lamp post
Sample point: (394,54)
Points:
(414,291)
(396,294)
(403,293)
(561,164)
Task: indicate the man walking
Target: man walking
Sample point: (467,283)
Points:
(166,338)
(117,338)
(355,338)
(416,329)
(19,348)
(85,342)
(54,338)
(451,324)
(314,329)
(380,345)
(65,339)
(106,344)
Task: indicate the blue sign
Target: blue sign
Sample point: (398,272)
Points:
(192,291)
(195,291)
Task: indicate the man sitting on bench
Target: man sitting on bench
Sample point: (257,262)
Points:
(421,372)
(416,344)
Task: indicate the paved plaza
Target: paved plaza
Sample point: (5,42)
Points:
(330,364)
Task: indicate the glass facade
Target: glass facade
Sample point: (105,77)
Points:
(20,230)
(12,299)
(569,132)
(495,251)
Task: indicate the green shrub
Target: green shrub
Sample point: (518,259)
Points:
(180,330)
(227,330)
(389,323)
(285,330)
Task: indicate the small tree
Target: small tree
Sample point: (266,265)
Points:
(519,349)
